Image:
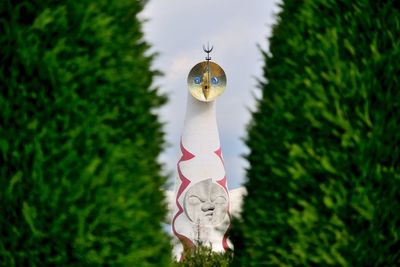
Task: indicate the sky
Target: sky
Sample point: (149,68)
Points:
(177,30)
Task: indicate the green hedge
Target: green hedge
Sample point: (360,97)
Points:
(324,177)
(79,180)
(203,256)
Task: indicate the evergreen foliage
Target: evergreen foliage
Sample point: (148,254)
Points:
(79,179)
(324,177)
(203,256)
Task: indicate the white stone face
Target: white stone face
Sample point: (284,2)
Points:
(206,203)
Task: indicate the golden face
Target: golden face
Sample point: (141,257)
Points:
(206,81)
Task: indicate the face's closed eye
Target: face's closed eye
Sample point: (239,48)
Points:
(220,200)
(195,200)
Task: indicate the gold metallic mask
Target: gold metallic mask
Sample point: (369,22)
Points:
(206,81)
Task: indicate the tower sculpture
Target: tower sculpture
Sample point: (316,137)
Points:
(201,213)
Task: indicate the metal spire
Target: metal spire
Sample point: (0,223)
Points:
(208,51)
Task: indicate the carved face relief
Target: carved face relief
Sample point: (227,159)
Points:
(206,203)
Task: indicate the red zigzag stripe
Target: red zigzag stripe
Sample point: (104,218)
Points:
(186,155)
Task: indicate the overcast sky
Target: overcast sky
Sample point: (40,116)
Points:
(177,30)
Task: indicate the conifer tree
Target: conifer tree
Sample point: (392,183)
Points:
(324,177)
(79,139)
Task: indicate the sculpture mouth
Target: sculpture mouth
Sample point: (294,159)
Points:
(209,214)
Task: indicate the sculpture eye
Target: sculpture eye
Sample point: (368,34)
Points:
(197,80)
(194,200)
(220,200)
(214,80)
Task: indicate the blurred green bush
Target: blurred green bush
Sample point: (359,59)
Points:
(324,177)
(203,256)
(79,140)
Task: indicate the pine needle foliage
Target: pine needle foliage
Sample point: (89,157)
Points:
(79,179)
(324,178)
(203,256)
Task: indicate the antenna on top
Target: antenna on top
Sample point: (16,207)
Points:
(208,51)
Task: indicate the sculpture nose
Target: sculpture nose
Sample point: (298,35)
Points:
(207,206)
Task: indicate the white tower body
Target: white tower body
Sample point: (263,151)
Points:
(201,213)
